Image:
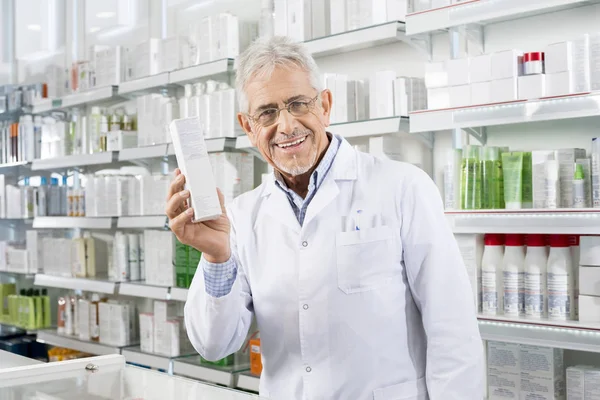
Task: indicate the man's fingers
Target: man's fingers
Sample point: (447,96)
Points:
(222,201)
(181,220)
(177,204)
(176,186)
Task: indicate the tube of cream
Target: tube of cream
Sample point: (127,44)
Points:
(512,165)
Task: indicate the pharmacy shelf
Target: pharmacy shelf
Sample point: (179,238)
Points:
(88,97)
(143,153)
(192,368)
(141,289)
(570,335)
(72,223)
(515,112)
(74,161)
(178,294)
(146,84)
(358,39)
(8,166)
(371,127)
(196,73)
(482,12)
(243,143)
(53,338)
(247,381)
(585,221)
(71,283)
(142,222)
(18,274)
(135,355)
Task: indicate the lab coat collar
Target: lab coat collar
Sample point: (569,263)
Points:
(344,168)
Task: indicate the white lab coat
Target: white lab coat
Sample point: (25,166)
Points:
(383,313)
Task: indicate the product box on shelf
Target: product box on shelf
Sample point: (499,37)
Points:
(147,332)
(436,75)
(438,98)
(589,281)
(559,57)
(560,84)
(503,371)
(144,59)
(542,372)
(589,307)
(532,86)
(158,262)
(458,71)
(594,57)
(480,68)
(108,64)
(481,93)
(460,96)
(320,18)
(471,250)
(381,94)
(589,247)
(280,24)
(506,64)
(581,63)
(545,179)
(120,140)
(504,90)
(583,382)
(373,12)
(299,20)
(567,159)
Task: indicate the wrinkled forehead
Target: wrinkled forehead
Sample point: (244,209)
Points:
(273,86)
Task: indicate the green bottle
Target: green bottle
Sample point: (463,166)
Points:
(47,313)
(39,310)
(194,260)
(13,309)
(471,178)
(181,263)
(527,180)
(492,182)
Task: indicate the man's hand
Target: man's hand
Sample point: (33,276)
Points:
(209,237)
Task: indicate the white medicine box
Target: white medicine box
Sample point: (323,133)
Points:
(542,373)
(589,308)
(503,371)
(438,98)
(532,86)
(560,84)
(436,75)
(558,57)
(589,281)
(460,96)
(481,93)
(589,247)
(481,68)
(458,71)
(506,64)
(504,90)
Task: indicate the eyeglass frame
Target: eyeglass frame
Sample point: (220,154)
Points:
(310,104)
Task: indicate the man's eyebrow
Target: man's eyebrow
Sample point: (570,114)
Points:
(275,105)
(295,98)
(266,106)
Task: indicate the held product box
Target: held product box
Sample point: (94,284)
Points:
(589,307)
(542,373)
(503,371)
(589,247)
(192,155)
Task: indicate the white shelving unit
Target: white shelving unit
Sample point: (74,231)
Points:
(142,222)
(570,335)
(178,294)
(203,71)
(521,111)
(74,161)
(191,367)
(247,381)
(70,283)
(143,153)
(559,221)
(135,355)
(481,12)
(88,97)
(72,223)
(147,83)
(71,342)
(140,289)
(358,39)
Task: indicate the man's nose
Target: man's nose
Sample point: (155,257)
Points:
(286,122)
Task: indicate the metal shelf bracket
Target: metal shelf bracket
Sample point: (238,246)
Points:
(478,133)
(422,43)
(428,138)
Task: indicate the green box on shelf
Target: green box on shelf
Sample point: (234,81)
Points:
(181,263)
(224,362)
(194,260)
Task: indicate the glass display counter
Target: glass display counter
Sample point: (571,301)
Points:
(104,378)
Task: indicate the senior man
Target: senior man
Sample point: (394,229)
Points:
(345,260)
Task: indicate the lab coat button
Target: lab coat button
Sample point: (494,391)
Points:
(229,276)
(308,369)
(305,244)
(305,306)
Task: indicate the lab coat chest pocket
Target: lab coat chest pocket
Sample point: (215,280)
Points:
(411,390)
(365,259)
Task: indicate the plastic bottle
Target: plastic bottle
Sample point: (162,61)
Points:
(492,289)
(214,109)
(134,256)
(94,130)
(63,196)
(471,177)
(39,310)
(579,187)
(28,199)
(513,265)
(115,122)
(492,196)
(27,135)
(536,261)
(94,318)
(103,133)
(53,198)
(41,203)
(561,295)
(37,133)
(185,102)
(62,315)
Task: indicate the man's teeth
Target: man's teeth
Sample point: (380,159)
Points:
(292,143)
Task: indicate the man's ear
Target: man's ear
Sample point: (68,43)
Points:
(326,104)
(244,122)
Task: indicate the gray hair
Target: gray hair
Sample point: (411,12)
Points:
(264,55)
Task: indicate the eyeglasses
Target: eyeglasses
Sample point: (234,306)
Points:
(297,108)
